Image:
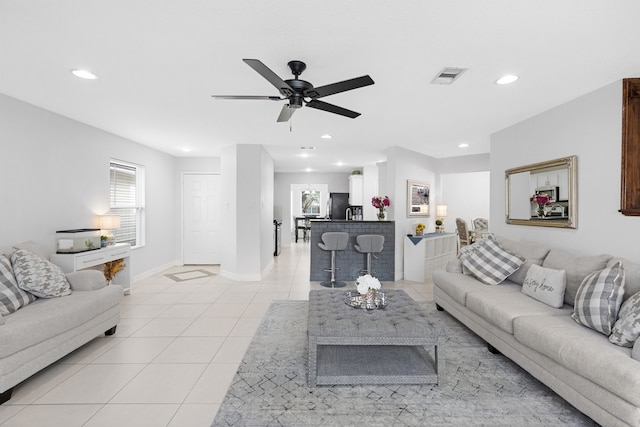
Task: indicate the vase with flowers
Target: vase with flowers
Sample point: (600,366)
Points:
(368,287)
(541,200)
(380,203)
(420,229)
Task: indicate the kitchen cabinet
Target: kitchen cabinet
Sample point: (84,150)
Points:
(356,190)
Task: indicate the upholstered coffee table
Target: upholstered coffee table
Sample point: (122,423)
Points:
(394,345)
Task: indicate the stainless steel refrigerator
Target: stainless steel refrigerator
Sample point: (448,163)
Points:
(337,205)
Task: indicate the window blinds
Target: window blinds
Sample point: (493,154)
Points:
(124,201)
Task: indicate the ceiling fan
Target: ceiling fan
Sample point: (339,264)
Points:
(298,91)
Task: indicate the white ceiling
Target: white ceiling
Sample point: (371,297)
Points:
(158,62)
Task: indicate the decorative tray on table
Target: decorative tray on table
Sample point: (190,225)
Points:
(357,300)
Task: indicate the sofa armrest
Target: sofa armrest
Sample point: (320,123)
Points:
(454,266)
(86,280)
(635,353)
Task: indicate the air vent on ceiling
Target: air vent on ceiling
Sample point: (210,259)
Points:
(448,75)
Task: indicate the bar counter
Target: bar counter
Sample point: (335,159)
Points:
(350,262)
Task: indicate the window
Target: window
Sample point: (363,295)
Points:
(126,182)
(311,202)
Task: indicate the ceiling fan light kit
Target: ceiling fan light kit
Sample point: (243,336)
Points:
(300,92)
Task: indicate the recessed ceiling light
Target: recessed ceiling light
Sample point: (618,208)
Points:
(340,164)
(505,80)
(84,74)
(186,149)
(326,136)
(463,145)
(304,155)
(309,170)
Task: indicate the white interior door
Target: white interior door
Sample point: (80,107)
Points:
(201,218)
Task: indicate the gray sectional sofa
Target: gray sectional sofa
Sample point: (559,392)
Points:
(599,378)
(47,329)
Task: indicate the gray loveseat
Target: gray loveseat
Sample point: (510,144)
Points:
(599,378)
(49,328)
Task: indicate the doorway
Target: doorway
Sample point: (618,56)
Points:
(201,218)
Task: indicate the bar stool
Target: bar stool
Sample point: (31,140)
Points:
(333,241)
(369,244)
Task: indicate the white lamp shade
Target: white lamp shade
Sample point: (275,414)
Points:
(109,222)
(441,211)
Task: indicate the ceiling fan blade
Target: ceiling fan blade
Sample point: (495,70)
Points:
(342,86)
(268,98)
(272,77)
(325,106)
(286,113)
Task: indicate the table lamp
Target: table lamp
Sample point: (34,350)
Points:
(441,213)
(108,223)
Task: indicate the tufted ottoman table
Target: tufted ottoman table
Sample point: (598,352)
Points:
(395,345)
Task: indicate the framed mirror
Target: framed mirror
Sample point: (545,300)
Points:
(543,194)
(417,199)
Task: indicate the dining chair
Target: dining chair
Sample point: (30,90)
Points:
(464,237)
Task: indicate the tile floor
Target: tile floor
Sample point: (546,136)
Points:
(174,354)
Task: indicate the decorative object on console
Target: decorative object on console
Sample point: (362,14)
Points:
(111,268)
(380,203)
(546,285)
(599,298)
(108,223)
(419,229)
(441,213)
(77,240)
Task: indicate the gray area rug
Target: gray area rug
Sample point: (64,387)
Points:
(480,388)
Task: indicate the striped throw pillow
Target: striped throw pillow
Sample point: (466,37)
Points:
(488,261)
(599,298)
(11,296)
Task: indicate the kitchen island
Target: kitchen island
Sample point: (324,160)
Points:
(350,262)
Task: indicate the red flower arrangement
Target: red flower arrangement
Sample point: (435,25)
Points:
(541,199)
(380,203)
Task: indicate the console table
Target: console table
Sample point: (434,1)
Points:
(95,259)
(424,254)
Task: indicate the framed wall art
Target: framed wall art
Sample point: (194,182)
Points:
(417,199)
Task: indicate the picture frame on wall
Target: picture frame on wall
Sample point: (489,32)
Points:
(417,198)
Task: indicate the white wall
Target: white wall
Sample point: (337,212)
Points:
(467,196)
(589,127)
(336,183)
(55,175)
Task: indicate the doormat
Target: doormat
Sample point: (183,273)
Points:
(189,275)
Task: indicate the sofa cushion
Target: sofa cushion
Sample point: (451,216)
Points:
(626,330)
(500,308)
(545,285)
(583,351)
(631,276)
(86,280)
(489,262)
(457,285)
(532,253)
(32,247)
(599,298)
(39,276)
(577,268)
(49,317)
(11,296)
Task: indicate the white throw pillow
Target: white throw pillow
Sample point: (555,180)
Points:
(626,330)
(599,298)
(39,276)
(545,285)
